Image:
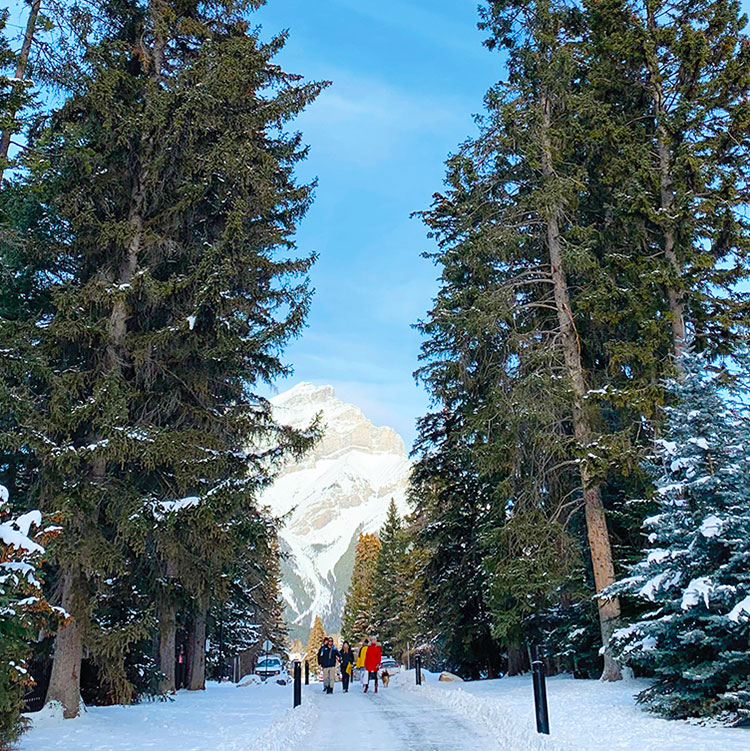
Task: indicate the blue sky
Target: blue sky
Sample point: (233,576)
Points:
(407,77)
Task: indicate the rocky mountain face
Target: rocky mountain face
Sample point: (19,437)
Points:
(343,487)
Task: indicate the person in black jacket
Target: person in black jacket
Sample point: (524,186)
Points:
(327,656)
(347,658)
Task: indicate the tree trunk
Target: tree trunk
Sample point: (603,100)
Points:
(515,659)
(167,645)
(21,65)
(675,296)
(197,648)
(596,523)
(65,681)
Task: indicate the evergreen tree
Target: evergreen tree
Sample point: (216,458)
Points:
(560,257)
(695,635)
(23,610)
(51,55)
(539,114)
(247,605)
(450,502)
(169,199)
(358,620)
(387,592)
(314,643)
(691,163)
(413,631)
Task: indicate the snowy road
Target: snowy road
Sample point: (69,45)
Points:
(392,720)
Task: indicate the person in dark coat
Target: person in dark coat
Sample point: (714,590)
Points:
(346,656)
(327,656)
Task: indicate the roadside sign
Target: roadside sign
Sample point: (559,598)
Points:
(267,645)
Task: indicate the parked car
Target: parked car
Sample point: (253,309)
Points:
(269,666)
(389,664)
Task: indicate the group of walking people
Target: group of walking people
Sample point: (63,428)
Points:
(368,661)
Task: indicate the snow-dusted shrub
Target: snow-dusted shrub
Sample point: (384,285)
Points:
(695,575)
(23,610)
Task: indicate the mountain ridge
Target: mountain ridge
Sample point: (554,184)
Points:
(340,489)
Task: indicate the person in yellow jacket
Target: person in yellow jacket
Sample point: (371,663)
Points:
(361,663)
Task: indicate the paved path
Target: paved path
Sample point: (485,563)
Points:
(392,720)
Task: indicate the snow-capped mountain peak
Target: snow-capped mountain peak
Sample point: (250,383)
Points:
(343,487)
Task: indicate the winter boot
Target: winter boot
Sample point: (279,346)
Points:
(365,691)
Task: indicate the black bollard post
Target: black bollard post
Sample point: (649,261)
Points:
(418,663)
(307,672)
(297,683)
(540,693)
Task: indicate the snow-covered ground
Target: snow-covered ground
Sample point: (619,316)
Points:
(584,715)
(223,718)
(486,715)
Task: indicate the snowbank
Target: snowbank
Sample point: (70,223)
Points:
(221,718)
(585,715)
(406,678)
(290,731)
(506,726)
(250,680)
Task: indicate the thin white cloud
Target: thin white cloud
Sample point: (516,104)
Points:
(362,121)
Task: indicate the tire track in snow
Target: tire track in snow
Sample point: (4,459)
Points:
(395,719)
(426,726)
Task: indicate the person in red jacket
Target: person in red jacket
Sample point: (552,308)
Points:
(372,663)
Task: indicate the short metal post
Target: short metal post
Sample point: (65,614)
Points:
(307,672)
(418,663)
(297,683)
(540,693)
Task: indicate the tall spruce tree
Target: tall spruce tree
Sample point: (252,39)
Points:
(450,513)
(358,619)
(386,585)
(696,64)
(487,360)
(513,246)
(670,159)
(169,206)
(693,578)
(542,40)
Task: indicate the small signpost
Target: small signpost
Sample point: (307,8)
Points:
(267,646)
(307,672)
(418,663)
